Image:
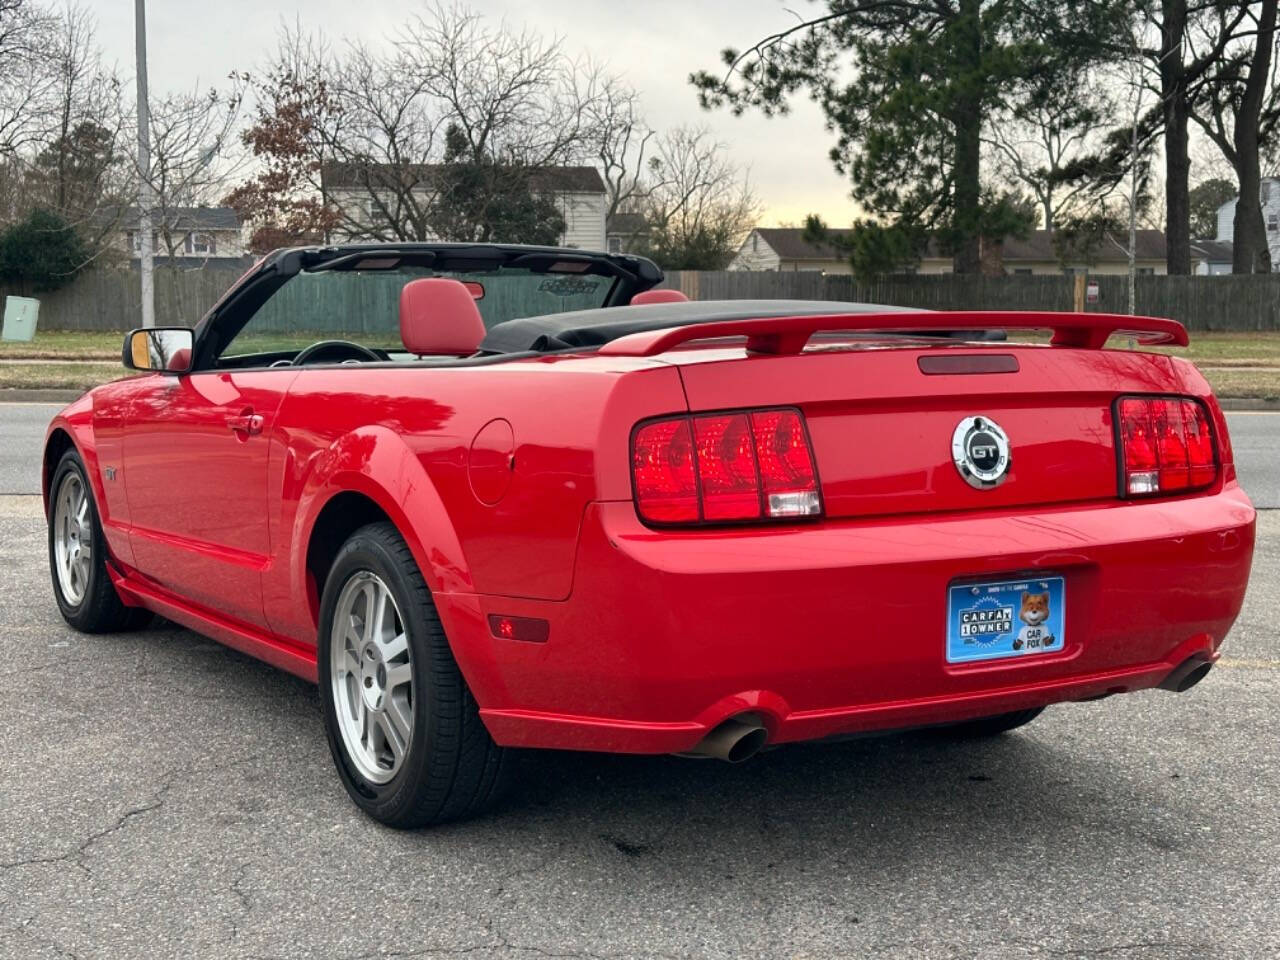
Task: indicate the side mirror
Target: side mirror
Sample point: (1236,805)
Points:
(163,349)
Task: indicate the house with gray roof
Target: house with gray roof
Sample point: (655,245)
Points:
(785,248)
(190,234)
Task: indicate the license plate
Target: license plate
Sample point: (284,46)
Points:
(1005,618)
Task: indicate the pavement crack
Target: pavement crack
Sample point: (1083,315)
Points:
(76,856)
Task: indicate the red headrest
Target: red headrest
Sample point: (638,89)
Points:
(658,296)
(438,316)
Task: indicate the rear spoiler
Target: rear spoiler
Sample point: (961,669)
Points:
(777,335)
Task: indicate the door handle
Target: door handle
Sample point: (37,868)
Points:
(248,423)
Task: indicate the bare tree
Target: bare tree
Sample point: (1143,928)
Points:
(620,142)
(448,129)
(26,82)
(1038,144)
(701,206)
(194,156)
(381,138)
(284,201)
(60,121)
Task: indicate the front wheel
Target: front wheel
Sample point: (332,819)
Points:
(403,728)
(77,556)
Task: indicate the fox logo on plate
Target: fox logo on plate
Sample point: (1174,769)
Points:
(980,451)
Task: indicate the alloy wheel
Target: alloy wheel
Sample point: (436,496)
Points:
(72,538)
(371,673)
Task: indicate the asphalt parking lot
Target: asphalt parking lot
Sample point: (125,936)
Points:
(162,796)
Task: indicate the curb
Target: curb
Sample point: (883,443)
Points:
(1229,404)
(38,395)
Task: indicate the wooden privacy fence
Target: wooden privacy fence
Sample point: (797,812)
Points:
(1202,303)
(109,299)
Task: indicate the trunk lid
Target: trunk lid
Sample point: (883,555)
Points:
(883,418)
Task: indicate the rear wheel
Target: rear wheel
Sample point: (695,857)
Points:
(77,556)
(403,728)
(991,726)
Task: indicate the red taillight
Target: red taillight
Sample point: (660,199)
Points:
(665,481)
(786,464)
(725,467)
(1165,445)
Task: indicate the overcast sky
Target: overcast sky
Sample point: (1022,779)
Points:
(655,44)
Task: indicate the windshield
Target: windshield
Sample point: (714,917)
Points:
(364,306)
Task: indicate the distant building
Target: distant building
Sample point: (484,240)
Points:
(785,248)
(626,232)
(1269,195)
(579,193)
(194,234)
(1211,257)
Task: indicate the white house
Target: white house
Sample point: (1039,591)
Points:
(1269,194)
(579,192)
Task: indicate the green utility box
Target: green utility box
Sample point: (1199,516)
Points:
(20,318)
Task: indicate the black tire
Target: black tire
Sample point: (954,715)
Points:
(100,609)
(452,769)
(991,726)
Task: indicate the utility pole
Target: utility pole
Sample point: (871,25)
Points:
(146,199)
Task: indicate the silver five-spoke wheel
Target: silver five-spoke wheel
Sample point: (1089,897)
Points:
(72,538)
(372,676)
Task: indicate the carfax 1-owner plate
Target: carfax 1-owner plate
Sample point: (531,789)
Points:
(1005,618)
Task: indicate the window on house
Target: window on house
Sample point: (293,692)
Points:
(755,243)
(1146,271)
(1022,271)
(201,244)
(1273,222)
(1075,271)
(615,244)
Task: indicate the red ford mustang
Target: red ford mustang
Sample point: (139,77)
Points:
(532,502)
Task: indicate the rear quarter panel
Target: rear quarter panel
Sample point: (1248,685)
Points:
(404,438)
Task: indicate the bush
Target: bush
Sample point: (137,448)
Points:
(41,253)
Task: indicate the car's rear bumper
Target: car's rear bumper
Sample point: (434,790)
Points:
(839,628)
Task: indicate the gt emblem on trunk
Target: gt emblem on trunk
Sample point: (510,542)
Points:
(980,451)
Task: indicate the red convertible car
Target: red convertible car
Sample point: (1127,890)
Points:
(528,500)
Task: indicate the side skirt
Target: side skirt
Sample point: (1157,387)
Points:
(284,654)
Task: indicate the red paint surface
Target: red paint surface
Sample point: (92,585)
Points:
(655,635)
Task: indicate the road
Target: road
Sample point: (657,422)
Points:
(1254,436)
(164,797)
